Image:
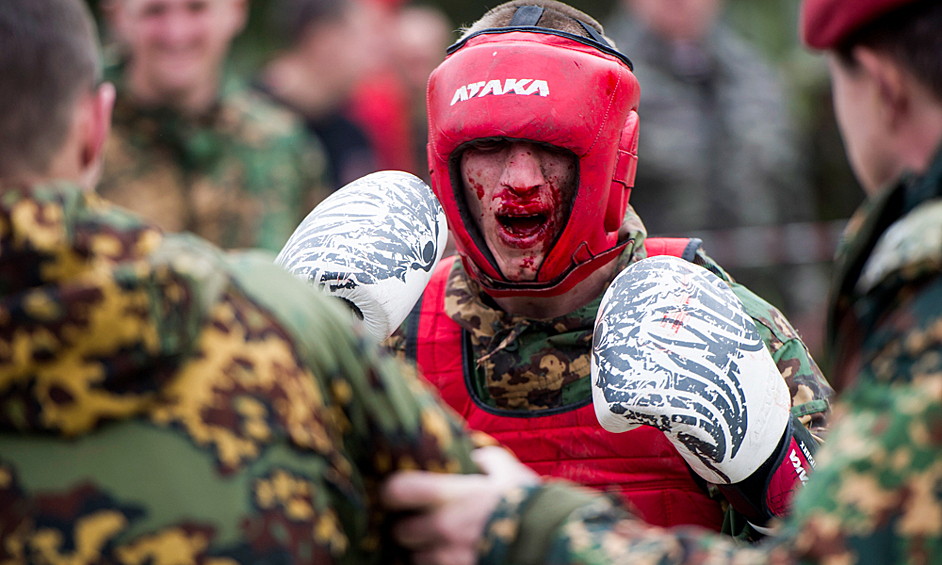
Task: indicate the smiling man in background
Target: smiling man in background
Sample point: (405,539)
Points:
(187,152)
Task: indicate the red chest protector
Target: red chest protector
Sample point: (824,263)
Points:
(568,442)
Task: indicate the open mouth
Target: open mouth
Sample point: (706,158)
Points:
(522,225)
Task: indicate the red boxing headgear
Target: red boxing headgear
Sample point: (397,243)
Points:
(541,85)
(825,24)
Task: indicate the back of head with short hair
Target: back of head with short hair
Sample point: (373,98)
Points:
(48,57)
(556,15)
(912,35)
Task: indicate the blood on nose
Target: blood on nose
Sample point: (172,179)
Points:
(522,171)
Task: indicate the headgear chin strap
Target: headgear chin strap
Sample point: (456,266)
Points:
(546,86)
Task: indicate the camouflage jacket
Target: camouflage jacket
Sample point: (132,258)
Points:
(242,175)
(876,494)
(162,402)
(528,364)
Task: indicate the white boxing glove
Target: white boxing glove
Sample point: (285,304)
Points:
(374,243)
(674,349)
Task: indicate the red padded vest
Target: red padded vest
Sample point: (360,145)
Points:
(568,442)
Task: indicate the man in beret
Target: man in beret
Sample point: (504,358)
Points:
(876,495)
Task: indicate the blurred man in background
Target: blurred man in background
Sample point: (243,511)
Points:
(719,152)
(188,153)
(330,46)
(424,34)
(390,105)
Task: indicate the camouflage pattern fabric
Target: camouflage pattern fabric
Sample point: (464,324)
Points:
(164,403)
(876,494)
(242,175)
(527,364)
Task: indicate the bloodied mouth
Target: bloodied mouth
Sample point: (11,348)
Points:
(522,225)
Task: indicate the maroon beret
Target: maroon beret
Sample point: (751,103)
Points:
(826,23)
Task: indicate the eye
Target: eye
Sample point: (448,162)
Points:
(154,10)
(488,144)
(198,6)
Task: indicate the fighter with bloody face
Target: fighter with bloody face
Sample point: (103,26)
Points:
(533,130)
(874,498)
(555,102)
(521,213)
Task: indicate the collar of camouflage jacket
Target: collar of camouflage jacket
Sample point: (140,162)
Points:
(126,106)
(195,141)
(861,235)
(527,364)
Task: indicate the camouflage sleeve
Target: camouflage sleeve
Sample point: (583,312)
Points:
(557,523)
(391,419)
(810,391)
(873,500)
(396,343)
(874,497)
(876,494)
(221,411)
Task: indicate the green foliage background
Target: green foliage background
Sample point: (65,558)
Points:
(769,25)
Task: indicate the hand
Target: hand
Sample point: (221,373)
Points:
(674,349)
(453,509)
(374,243)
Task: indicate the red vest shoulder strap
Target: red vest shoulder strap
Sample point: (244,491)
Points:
(683,247)
(436,285)
(436,341)
(428,305)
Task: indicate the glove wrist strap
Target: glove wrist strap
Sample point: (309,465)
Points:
(768,492)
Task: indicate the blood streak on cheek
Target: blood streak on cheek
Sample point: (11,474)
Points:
(553,222)
(556,201)
(471,178)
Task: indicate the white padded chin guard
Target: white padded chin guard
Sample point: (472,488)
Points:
(674,349)
(374,243)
